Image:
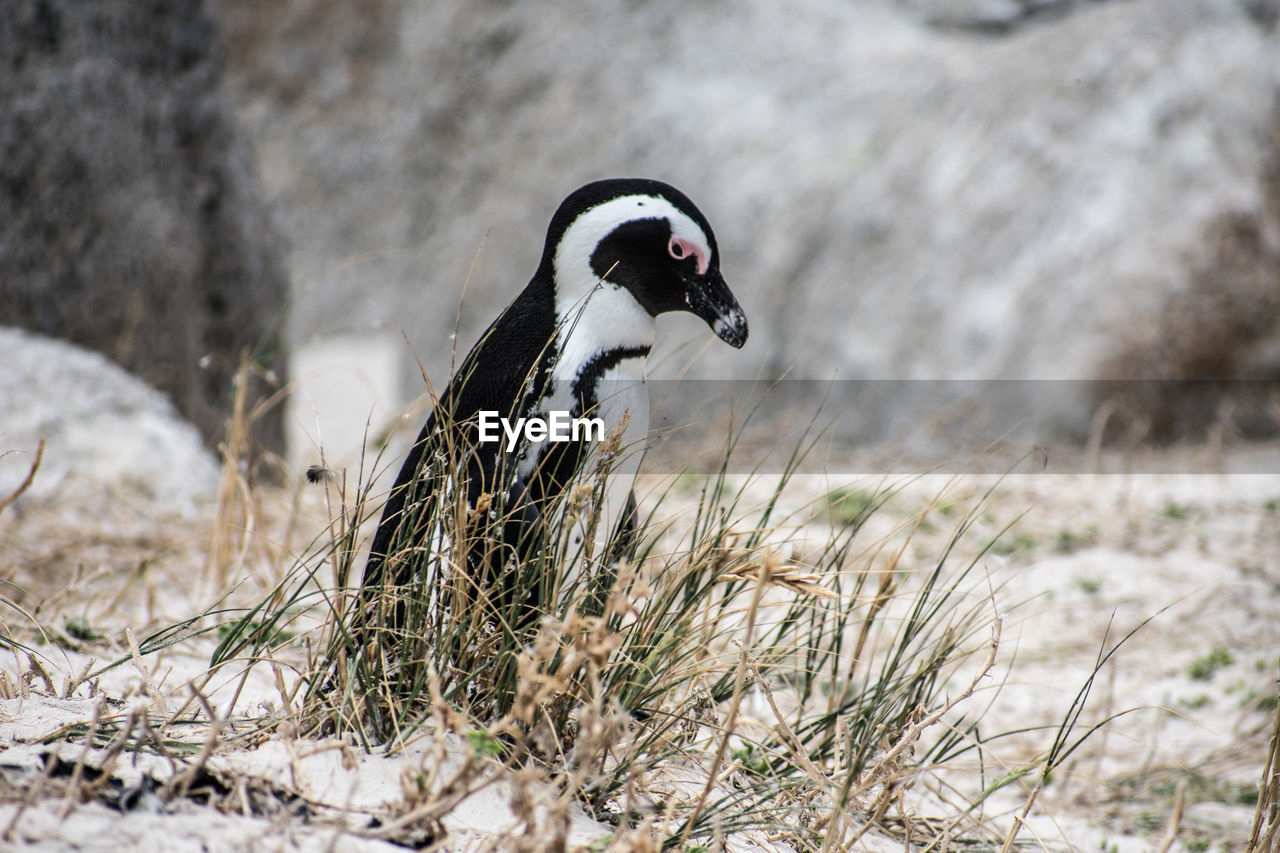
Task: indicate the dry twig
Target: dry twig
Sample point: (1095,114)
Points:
(26,483)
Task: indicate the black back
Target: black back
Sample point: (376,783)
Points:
(516,347)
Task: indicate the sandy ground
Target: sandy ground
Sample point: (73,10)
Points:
(1095,558)
(1190,561)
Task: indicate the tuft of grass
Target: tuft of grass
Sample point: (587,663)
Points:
(1266,813)
(1016,544)
(1089,586)
(847,505)
(79,628)
(1204,668)
(616,680)
(483,744)
(1179,511)
(1069,541)
(275,636)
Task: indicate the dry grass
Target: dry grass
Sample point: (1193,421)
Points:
(1265,836)
(625,693)
(789,664)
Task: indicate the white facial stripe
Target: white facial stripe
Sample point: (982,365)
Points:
(573,255)
(597,316)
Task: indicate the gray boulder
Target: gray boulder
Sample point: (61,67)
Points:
(131,220)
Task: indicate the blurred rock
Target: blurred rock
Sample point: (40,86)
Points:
(1221,326)
(131,220)
(109,436)
(894,197)
(993,16)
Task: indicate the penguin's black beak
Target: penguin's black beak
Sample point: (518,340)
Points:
(709,297)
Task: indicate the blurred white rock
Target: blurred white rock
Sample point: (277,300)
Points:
(107,433)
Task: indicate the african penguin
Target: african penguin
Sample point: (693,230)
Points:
(618,253)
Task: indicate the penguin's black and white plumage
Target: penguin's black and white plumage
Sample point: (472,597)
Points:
(618,253)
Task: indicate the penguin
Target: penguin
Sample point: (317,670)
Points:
(618,253)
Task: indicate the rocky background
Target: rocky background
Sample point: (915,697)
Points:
(131,217)
(928,189)
(984,189)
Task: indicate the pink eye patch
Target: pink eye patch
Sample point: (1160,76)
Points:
(680,249)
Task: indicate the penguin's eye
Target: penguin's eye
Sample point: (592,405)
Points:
(681,249)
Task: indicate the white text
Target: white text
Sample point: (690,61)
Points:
(556,426)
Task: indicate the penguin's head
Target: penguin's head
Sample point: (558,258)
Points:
(647,238)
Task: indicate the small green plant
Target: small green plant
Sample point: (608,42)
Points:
(1204,668)
(275,637)
(483,745)
(1019,543)
(751,760)
(79,628)
(1245,795)
(848,505)
(1089,586)
(1068,541)
(1196,702)
(1175,511)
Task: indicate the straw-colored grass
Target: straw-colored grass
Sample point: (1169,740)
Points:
(770,659)
(720,679)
